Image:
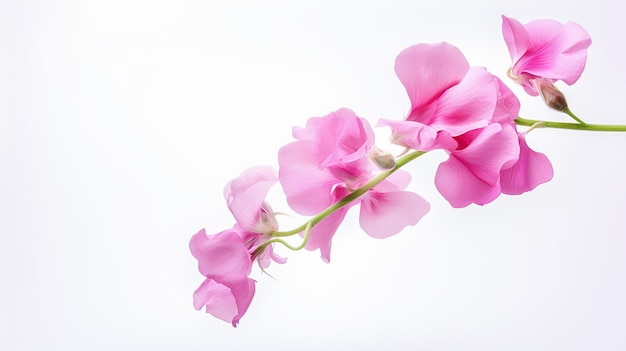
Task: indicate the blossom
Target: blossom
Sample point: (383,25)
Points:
(545,49)
(225,258)
(470,114)
(225,262)
(472,172)
(327,162)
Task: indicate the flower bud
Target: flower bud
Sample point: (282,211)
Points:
(381,159)
(552,96)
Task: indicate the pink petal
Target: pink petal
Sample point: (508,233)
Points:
(386,213)
(515,37)
(228,302)
(243,292)
(217,298)
(531,169)
(560,52)
(507,107)
(427,70)
(322,233)
(488,150)
(418,136)
(221,256)
(471,175)
(468,105)
(308,189)
(245,195)
(461,187)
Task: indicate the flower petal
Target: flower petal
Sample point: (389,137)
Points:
(427,70)
(308,189)
(322,233)
(531,169)
(515,37)
(386,213)
(245,195)
(468,105)
(461,187)
(217,298)
(221,256)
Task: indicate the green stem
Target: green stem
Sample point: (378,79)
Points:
(571,114)
(574,126)
(306,227)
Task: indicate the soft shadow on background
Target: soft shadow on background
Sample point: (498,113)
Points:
(121,121)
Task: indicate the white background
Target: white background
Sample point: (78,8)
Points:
(121,121)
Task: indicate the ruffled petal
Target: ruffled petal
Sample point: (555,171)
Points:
(418,136)
(472,175)
(217,299)
(245,196)
(221,256)
(561,51)
(243,292)
(468,105)
(531,169)
(461,187)
(322,233)
(427,70)
(488,150)
(515,37)
(308,189)
(386,213)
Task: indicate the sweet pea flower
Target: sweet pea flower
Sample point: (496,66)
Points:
(470,114)
(326,163)
(225,258)
(545,49)
(472,172)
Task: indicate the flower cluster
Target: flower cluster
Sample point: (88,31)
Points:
(334,165)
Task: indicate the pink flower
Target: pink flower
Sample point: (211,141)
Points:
(446,94)
(472,173)
(470,114)
(225,262)
(245,197)
(326,163)
(225,258)
(545,49)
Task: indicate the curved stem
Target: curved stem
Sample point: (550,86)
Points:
(339,204)
(569,112)
(574,126)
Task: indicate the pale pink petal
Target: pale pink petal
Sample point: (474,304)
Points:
(427,70)
(308,189)
(217,298)
(546,49)
(468,105)
(507,107)
(515,37)
(472,175)
(461,187)
(386,213)
(243,292)
(488,150)
(322,233)
(531,169)
(561,52)
(418,136)
(221,256)
(245,195)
